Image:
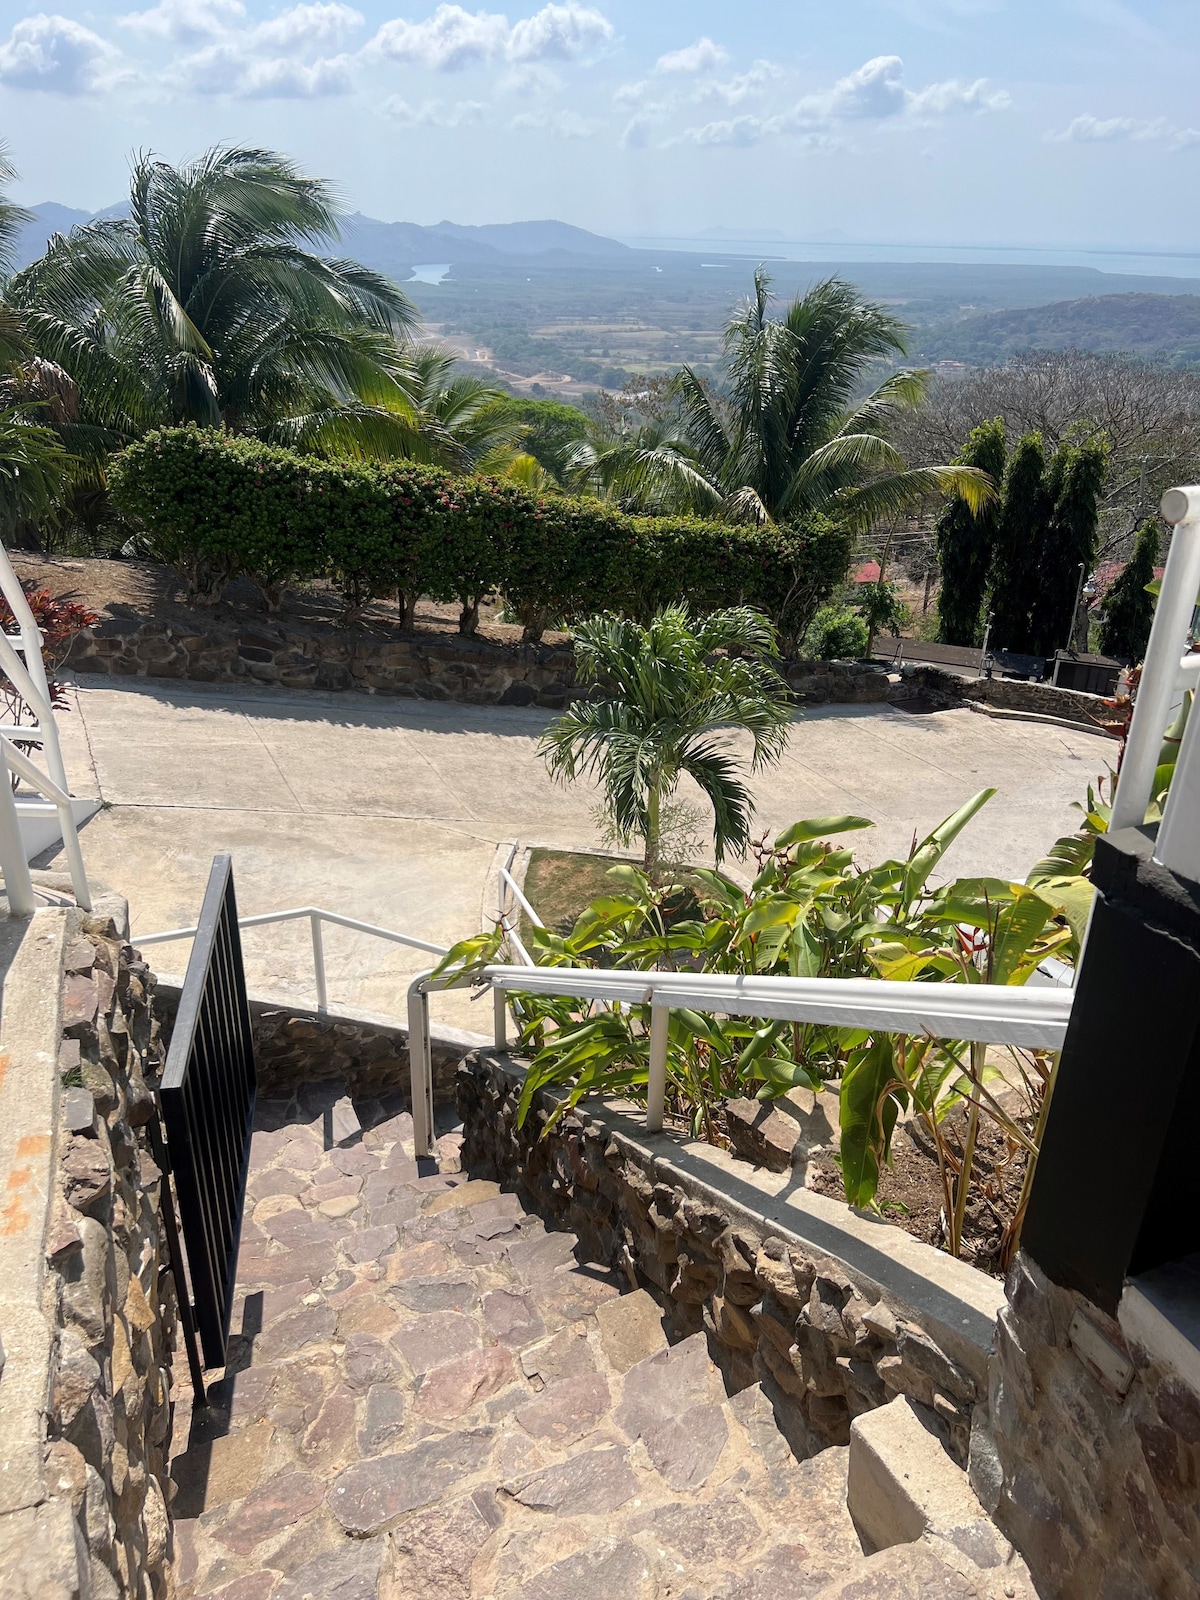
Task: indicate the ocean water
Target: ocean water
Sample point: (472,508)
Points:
(432,272)
(1164,263)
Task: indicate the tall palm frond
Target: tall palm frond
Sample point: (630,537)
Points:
(661,694)
(214,302)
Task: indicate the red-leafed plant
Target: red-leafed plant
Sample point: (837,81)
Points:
(60,617)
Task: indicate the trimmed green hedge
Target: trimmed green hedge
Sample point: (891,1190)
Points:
(217,506)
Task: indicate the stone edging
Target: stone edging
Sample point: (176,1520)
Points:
(85,1307)
(795,1289)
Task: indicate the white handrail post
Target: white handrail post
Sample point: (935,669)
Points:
(656,1086)
(17,882)
(1178,843)
(70,839)
(420,1065)
(1160,672)
(500,1017)
(318,949)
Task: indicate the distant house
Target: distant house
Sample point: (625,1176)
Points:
(869,572)
(1106,574)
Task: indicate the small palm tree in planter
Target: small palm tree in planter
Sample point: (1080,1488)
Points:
(663,694)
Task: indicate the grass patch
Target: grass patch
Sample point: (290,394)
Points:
(561,884)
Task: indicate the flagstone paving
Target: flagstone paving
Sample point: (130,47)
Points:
(431,1398)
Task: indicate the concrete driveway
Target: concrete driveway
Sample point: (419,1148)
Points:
(391,811)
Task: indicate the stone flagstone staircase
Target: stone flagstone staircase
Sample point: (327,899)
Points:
(431,1398)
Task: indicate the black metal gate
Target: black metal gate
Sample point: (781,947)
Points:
(207,1098)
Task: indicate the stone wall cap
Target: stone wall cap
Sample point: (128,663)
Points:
(31,971)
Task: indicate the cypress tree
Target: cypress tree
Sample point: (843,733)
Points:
(1075,480)
(965,541)
(1127,609)
(1020,536)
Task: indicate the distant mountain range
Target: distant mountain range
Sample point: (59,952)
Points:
(509,279)
(394,247)
(1166,325)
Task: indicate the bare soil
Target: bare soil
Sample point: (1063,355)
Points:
(140,590)
(911,1195)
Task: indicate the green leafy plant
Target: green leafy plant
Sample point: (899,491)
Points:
(788,435)
(809,912)
(836,633)
(883,611)
(217,505)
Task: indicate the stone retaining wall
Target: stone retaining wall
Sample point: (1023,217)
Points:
(94,1521)
(947,690)
(1042,699)
(1095,1469)
(424,666)
(824,1340)
(298,1045)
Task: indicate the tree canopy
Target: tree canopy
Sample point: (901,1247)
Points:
(1127,611)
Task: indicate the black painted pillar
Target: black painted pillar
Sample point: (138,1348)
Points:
(1117,1186)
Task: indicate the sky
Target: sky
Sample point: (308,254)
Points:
(1045,123)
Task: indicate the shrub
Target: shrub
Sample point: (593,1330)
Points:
(835,633)
(217,506)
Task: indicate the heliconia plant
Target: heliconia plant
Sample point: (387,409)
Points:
(810,911)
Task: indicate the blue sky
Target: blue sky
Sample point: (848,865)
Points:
(983,122)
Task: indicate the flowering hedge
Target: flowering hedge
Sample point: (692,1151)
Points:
(217,505)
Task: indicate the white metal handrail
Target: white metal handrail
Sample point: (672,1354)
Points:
(1164,674)
(21,662)
(1035,1018)
(27,671)
(316,916)
(506,919)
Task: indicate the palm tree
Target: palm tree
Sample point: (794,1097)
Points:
(12,218)
(665,691)
(787,436)
(206,305)
(457,421)
(648,467)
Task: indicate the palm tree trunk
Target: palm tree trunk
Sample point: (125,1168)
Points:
(653,810)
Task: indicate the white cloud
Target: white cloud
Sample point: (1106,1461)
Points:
(55,54)
(636,135)
(563,124)
(433,113)
(286,79)
(448,41)
(744,86)
(228,69)
(1087,129)
(876,92)
(307,27)
(559,33)
(734,131)
(188,21)
(452,38)
(945,99)
(702,56)
(1105,130)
